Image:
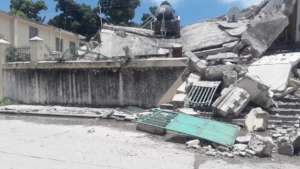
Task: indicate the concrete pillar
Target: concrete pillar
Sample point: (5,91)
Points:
(36,49)
(15,31)
(121,88)
(3,46)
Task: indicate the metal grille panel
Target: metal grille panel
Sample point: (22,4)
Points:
(201,94)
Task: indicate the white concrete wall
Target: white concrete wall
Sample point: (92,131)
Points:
(6,27)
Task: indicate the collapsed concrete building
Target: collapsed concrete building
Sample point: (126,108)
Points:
(241,68)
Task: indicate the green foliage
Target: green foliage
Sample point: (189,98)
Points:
(77,18)
(146,17)
(28,9)
(120,12)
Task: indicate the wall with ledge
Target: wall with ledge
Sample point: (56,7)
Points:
(96,84)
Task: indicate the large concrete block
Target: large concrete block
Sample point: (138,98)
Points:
(232,101)
(259,92)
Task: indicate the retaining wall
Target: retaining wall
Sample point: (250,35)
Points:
(104,84)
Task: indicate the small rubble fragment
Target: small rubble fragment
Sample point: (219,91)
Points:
(262,146)
(240,147)
(285,146)
(178,100)
(188,111)
(296,142)
(257,120)
(195,144)
(243,139)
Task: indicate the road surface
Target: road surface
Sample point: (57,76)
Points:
(56,143)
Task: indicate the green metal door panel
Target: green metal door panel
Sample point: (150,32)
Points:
(218,132)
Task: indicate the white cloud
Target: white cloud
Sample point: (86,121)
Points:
(244,3)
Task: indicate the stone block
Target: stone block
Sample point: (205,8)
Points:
(257,120)
(178,100)
(259,92)
(231,102)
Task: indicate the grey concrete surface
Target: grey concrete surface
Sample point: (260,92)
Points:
(51,143)
(101,87)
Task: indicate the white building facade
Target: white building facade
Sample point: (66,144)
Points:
(18,31)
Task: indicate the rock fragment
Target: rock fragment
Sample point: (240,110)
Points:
(195,144)
(262,146)
(257,120)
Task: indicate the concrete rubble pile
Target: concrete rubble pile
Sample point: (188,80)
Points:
(258,83)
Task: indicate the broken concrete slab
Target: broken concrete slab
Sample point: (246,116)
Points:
(211,36)
(196,63)
(262,32)
(216,73)
(222,56)
(262,146)
(259,92)
(280,65)
(265,28)
(232,101)
(257,120)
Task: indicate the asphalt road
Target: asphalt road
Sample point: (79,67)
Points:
(55,143)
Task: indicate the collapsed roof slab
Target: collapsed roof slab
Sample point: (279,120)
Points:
(114,42)
(204,35)
(275,70)
(267,26)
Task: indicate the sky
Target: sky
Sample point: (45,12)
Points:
(190,11)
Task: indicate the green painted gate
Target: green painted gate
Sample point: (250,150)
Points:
(214,131)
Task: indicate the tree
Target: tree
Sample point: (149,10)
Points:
(77,18)
(147,18)
(119,12)
(28,9)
